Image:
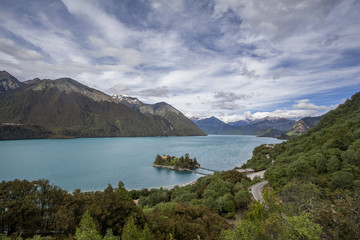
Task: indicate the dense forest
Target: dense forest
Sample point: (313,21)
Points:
(196,211)
(313,193)
(177,163)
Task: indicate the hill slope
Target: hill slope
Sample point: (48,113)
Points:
(331,147)
(314,178)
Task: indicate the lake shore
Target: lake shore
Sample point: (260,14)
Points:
(171,168)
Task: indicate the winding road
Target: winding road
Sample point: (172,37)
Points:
(256,190)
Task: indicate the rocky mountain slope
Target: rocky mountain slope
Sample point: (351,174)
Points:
(184,125)
(303,125)
(65,108)
(8,82)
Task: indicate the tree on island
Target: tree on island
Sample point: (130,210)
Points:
(184,162)
(158,160)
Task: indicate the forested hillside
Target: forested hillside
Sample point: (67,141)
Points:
(191,212)
(315,182)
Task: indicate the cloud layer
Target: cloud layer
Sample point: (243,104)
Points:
(229,58)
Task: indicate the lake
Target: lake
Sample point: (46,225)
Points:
(93,163)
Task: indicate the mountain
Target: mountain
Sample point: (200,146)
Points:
(66,108)
(303,125)
(8,82)
(214,125)
(183,125)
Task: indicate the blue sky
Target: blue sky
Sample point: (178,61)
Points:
(233,59)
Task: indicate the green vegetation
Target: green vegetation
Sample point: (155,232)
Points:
(223,193)
(315,180)
(191,212)
(194,211)
(270,133)
(328,155)
(176,163)
(263,156)
(270,221)
(11,132)
(30,206)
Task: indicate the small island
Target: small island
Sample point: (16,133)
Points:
(183,163)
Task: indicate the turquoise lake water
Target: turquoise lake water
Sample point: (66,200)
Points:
(93,163)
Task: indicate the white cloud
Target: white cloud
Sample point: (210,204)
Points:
(305,104)
(155,92)
(9,48)
(243,56)
(302,108)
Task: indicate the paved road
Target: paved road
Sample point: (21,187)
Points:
(256,190)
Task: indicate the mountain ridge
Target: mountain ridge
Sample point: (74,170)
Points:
(163,109)
(67,108)
(9,82)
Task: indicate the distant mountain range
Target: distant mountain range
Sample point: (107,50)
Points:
(64,108)
(268,126)
(264,127)
(214,125)
(282,124)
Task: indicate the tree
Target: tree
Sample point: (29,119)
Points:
(158,160)
(244,230)
(334,164)
(131,232)
(227,203)
(112,207)
(110,236)
(320,162)
(147,234)
(341,180)
(301,227)
(3,236)
(298,168)
(87,229)
(242,198)
(18,207)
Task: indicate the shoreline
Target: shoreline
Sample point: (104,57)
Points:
(172,168)
(169,187)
